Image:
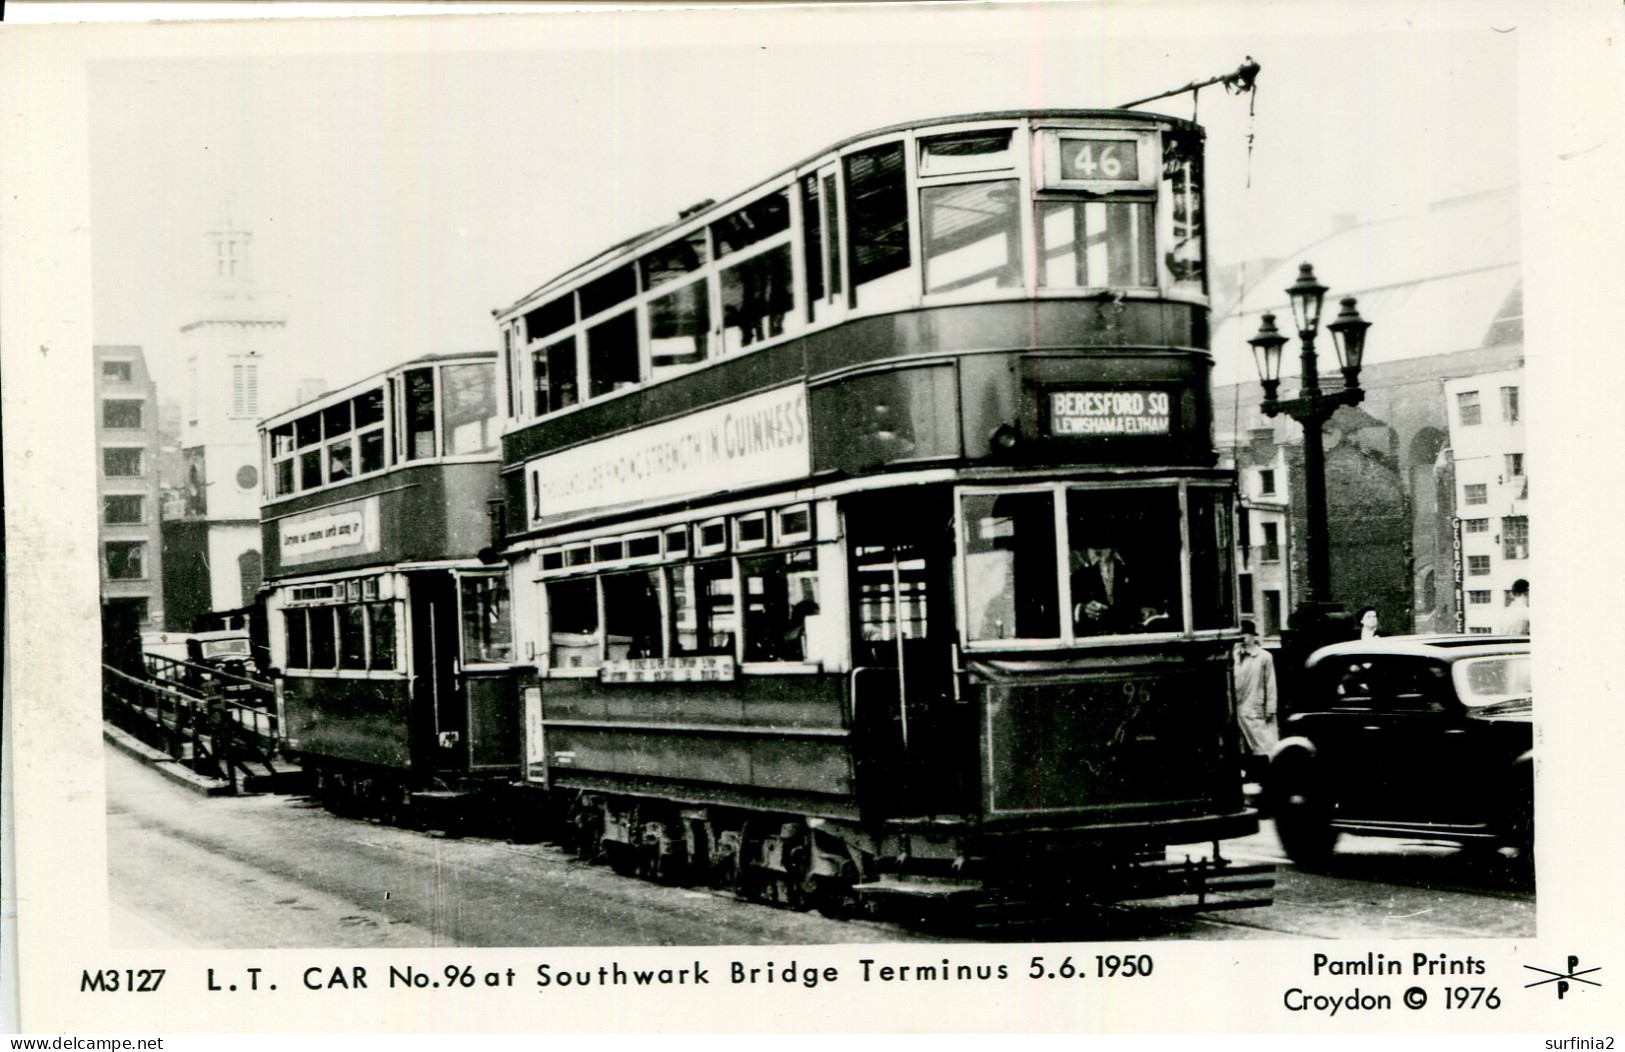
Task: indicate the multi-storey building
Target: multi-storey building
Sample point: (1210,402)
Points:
(127,485)
(1263,532)
(1491,494)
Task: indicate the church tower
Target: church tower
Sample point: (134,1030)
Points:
(233,345)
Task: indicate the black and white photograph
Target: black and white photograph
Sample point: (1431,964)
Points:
(897,517)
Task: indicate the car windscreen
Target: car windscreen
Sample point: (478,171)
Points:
(1492,680)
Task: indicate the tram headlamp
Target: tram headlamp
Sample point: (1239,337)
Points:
(1004,439)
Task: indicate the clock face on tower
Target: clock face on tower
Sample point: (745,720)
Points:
(248,476)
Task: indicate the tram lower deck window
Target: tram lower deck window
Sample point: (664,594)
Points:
(632,615)
(780,594)
(572,610)
(704,610)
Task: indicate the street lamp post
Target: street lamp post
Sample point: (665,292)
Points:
(1312,408)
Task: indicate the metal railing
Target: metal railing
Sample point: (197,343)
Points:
(195,722)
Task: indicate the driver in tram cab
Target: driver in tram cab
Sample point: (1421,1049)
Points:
(1103,593)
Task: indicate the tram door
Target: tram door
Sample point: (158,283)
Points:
(914,741)
(439,734)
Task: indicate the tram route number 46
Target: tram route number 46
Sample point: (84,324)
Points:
(1107,966)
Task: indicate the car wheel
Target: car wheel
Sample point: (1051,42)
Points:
(1302,815)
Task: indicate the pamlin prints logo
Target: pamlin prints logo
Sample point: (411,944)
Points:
(1574,974)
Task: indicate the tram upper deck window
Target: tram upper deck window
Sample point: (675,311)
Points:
(757,221)
(600,294)
(1186,258)
(369,421)
(612,355)
(469,405)
(679,326)
(756,298)
(972,236)
(419,414)
(671,262)
(877,214)
(556,381)
(1010,573)
(977,151)
(487,628)
(550,317)
(1093,244)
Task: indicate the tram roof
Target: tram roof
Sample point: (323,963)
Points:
(349,390)
(711,208)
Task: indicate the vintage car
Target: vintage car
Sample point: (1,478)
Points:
(1428,737)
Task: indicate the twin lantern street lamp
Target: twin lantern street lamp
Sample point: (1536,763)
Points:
(1312,408)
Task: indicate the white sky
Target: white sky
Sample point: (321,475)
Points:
(403,177)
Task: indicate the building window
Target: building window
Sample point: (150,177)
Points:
(118,372)
(1478,565)
(121,463)
(1244,588)
(126,560)
(121,414)
(1271,621)
(1509,404)
(1272,542)
(1266,482)
(1430,590)
(1514,465)
(122,510)
(1476,493)
(245,390)
(1515,537)
(1468,409)
(1475,525)
(1478,597)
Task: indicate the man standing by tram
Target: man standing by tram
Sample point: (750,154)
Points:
(1254,672)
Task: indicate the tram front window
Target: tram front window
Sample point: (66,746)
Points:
(1010,577)
(1123,550)
(1127,553)
(487,632)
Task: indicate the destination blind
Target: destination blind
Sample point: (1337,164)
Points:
(1096,413)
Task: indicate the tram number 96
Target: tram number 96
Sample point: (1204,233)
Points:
(1107,966)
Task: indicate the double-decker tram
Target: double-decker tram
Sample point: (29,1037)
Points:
(865,530)
(391,640)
